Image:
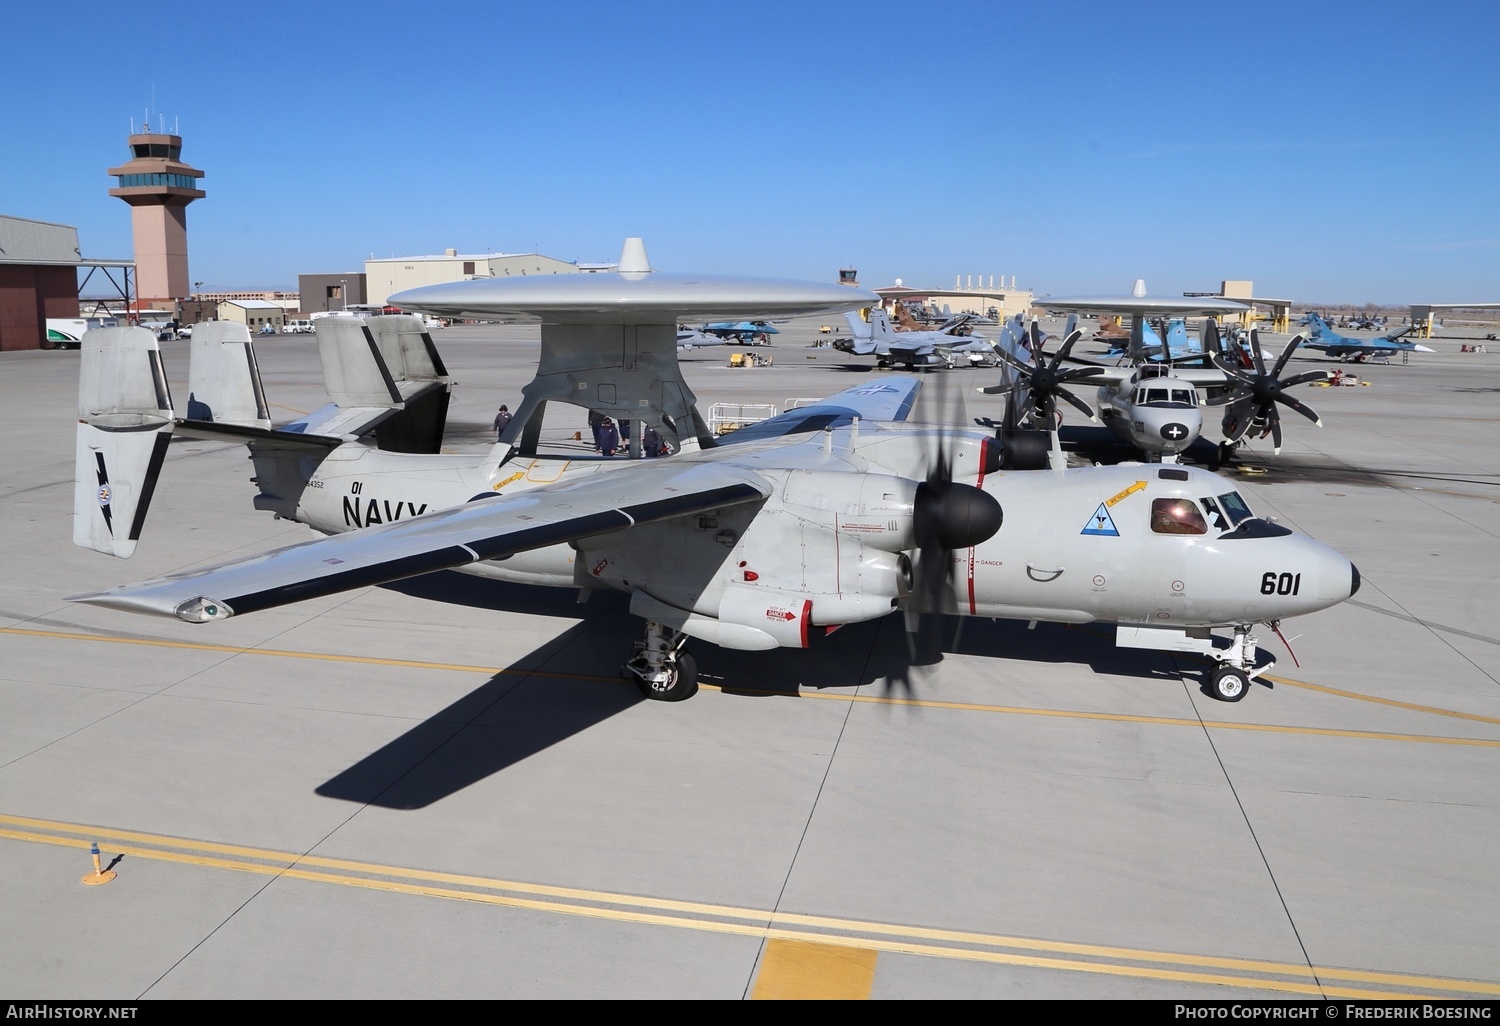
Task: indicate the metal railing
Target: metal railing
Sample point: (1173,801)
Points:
(725,417)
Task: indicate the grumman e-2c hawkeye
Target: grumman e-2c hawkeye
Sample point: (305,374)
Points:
(1153,404)
(831,514)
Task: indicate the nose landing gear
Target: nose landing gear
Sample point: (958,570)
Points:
(1230,680)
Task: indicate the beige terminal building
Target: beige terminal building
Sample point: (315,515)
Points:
(385,277)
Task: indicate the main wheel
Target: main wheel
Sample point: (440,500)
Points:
(1229,684)
(681,682)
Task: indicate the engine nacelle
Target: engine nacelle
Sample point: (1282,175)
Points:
(875,508)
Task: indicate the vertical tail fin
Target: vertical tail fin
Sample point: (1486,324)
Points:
(859,328)
(124,425)
(223,378)
(387,364)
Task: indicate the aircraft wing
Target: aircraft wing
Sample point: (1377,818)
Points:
(1198,377)
(884,399)
(1201,377)
(487,528)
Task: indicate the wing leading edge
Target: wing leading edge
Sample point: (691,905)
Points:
(884,399)
(489,528)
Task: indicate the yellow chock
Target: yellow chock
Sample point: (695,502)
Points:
(99,875)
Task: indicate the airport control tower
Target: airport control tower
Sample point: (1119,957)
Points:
(158,186)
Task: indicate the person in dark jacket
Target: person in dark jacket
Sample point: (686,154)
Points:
(609,437)
(501,420)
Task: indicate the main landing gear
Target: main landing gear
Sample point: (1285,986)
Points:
(660,668)
(1230,680)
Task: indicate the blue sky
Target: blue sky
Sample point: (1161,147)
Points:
(1333,152)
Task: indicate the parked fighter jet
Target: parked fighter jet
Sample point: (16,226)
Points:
(873,335)
(1177,346)
(744,333)
(949,324)
(1358,349)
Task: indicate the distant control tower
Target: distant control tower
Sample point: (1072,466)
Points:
(158,186)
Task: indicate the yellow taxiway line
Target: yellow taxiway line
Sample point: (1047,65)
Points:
(842,952)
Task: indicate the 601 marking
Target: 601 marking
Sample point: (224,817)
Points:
(1272,583)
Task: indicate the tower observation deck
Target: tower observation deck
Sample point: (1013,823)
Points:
(158,186)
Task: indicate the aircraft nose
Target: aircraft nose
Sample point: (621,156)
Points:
(1353,579)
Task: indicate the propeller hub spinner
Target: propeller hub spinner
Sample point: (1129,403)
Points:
(955,515)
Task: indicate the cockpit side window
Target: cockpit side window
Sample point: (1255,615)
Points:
(1216,518)
(1176,516)
(1235,508)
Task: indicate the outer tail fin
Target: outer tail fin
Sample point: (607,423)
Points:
(223,378)
(1318,325)
(861,342)
(385,373)
(124,425)
(880,325)
(1145,343)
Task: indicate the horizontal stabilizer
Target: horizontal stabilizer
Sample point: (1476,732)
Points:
(333,421)
(124,425)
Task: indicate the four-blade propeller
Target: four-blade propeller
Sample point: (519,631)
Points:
(947,516)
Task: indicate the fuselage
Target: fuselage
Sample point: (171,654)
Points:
(1156,413)
(1138,544)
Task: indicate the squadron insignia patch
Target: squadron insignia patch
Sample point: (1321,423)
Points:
(1101,523)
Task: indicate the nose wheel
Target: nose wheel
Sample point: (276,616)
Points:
(1230,680)
(1229,684)
(660,668)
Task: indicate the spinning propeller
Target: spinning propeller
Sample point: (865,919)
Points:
(947,516)
(1255,394)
